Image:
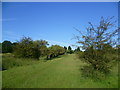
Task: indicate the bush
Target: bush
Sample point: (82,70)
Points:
(26,48)
(97,60)
(90,72)
(54,51)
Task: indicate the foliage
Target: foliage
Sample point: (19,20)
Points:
(7,47)
(9,61)
(96,42)
(54,51)
(70,51)
(42,45)
(77,50)
(65,49)
(97,60)
(90,72)
(26,48)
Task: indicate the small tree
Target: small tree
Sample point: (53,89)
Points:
(93,43)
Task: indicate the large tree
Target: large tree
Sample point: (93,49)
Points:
(94,41)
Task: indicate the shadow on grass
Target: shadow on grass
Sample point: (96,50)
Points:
(45,59)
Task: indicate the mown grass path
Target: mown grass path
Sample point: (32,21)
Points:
(61,72)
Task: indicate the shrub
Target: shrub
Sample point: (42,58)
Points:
(97,60)
(90,72)
(54,51)
(26,48)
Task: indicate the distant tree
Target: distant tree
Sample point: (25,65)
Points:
(65,49)
(78,49)
(70,51)
(69,48)
(54,51)
(7,47)
(94,42)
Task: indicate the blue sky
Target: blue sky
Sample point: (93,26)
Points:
(52,21)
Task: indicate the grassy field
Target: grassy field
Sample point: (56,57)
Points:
(63,72)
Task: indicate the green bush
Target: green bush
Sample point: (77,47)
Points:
(26,48)
(90,72)
(54,51)
(97,60)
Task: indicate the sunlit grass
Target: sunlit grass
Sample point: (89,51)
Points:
(63,72)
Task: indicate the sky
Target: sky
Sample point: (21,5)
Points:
(52,21)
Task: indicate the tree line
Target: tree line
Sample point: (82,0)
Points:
(27,48)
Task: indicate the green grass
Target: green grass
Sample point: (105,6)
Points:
(63,72)
(9,61)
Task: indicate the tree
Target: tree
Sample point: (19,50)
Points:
(42,44)
(27,48)
(70,50)
(77,50)
(93,43)
(54,51)
(65,49)
(7,47)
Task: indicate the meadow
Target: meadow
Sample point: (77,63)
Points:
(61,72)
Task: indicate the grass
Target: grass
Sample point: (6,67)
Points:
(63,72)
(9,61)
